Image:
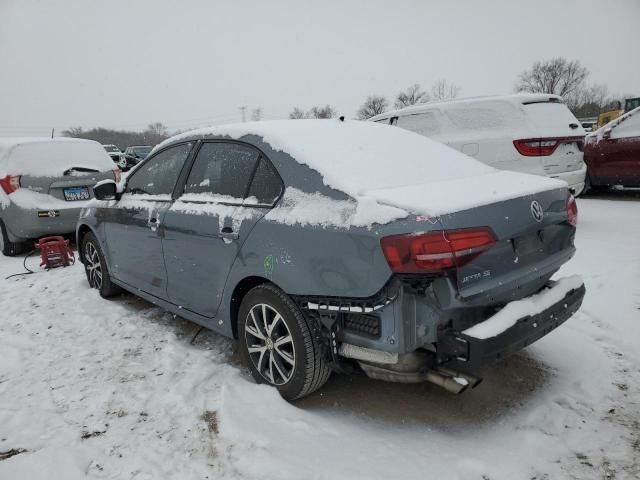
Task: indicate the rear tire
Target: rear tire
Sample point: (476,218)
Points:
(278,343)
(7,247)
(95,267)
(590,189)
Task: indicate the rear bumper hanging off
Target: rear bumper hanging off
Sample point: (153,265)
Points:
(466,351)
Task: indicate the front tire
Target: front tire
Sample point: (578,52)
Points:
(278,344)
(95,267)
(7,247)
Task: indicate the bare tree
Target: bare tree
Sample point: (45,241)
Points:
(411,96)
(75,132)
(558,76)
(373,105)
(444,90)
(256,115)
(297,113)
(322,112)
(158,129)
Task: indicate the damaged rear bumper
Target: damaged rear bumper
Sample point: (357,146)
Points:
(458,349)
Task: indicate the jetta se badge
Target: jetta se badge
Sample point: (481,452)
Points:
(536,211)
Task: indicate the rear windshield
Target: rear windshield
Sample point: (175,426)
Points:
(552,118)
(43,159)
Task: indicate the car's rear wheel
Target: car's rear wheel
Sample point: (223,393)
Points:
(278,344)
(95,267)
(589,188)
(7,247)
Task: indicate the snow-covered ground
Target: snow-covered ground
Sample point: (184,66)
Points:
(115,389)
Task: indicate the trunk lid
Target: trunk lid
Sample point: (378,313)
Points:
(70,188)
(533,239)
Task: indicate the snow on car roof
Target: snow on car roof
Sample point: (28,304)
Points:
(515,97)
(385,163)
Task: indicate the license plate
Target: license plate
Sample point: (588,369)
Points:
(76,193)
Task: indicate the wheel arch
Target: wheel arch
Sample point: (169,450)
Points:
(241,289)
(81,232)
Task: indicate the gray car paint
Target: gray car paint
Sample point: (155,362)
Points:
(325,261)
(24,223)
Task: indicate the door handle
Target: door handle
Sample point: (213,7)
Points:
(228,235)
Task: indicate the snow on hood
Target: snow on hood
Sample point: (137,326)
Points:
(385,164)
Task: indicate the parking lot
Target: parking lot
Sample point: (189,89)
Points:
(117,389)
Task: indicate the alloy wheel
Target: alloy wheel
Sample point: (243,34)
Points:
(270,344)
(93,265)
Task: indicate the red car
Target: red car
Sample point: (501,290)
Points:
(612,153)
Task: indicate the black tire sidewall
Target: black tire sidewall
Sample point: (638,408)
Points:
(107,288)
(10,248)
(293,318)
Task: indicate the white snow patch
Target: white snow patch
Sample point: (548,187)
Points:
(298,207)
(50,157)
(533,305)
(28,199)
(365,159)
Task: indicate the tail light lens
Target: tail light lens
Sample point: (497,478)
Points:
(536,147)
(117,174)
(435,252)
(10,183)
(543,147)
(572,211)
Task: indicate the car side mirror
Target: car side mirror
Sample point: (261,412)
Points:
(105,190)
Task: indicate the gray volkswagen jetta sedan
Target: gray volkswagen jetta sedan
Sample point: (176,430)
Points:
(333,246)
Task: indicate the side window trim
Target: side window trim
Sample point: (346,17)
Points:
(182,178)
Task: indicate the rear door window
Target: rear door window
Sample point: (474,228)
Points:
(159,174)
(266,186)
(425,123)
(221,171)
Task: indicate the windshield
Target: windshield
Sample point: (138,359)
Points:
(141,151)
(553,119)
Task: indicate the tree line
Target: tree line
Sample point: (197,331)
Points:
(559,76)
(152,135)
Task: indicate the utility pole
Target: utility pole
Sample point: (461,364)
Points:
(243,111)
(52,131)
(257,114)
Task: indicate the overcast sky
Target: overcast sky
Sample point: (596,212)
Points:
(125,64)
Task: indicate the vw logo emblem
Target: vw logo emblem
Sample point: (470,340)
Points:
(536,211)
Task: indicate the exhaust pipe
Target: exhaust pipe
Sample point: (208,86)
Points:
(451,384)
(472,380)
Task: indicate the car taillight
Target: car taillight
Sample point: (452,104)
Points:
(117,174)
(540,147)
(543,147)
(10,183)
(572,211)
(435,252)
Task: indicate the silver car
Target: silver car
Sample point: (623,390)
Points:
(43,185)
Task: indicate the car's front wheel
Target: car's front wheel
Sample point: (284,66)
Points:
(278,344)
(95,267)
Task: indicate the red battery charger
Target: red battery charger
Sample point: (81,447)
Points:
(55,252)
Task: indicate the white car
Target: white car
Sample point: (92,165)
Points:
(529,133)
(115,153)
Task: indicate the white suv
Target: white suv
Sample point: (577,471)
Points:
(529,133)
